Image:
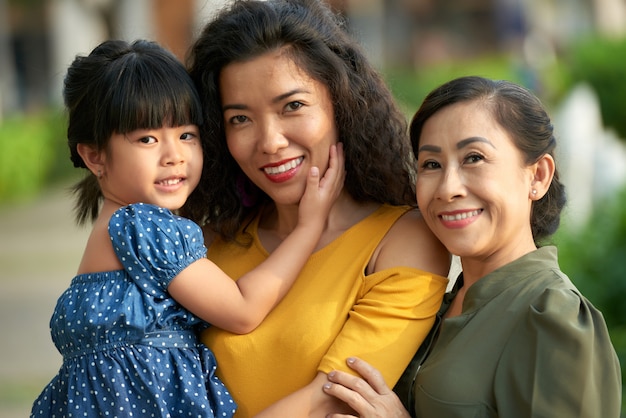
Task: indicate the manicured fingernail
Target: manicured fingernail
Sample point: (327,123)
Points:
(351,360)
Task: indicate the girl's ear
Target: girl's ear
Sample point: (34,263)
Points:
(543,173)
(93,158)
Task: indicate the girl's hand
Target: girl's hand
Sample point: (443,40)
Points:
(369,397)
(320,194)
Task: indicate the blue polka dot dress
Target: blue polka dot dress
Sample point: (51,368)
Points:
(129,350)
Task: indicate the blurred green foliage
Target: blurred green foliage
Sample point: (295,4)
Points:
(601,63)
(410,87)
(34,154)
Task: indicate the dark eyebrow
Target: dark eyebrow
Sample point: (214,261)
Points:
(431,148)
(276,99)
(283,96)
(465,142)
(461,144)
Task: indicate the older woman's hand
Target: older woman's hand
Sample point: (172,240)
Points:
(369,396)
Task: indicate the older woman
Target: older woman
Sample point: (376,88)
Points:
(281,81)
(517,339)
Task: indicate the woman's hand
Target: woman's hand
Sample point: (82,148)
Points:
(369,396)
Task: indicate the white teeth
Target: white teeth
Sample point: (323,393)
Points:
(460,216)
(284,167)
(170,182)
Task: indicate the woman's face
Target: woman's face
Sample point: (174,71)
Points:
(472,184)
(279,123)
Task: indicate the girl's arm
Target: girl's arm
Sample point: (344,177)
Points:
(240,306)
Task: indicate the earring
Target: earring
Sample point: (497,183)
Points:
(99,175)
(534,192)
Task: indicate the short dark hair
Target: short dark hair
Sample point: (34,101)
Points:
(372,128)
(523,116)
(118,88)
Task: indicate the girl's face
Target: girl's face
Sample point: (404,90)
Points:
(473,186)
(279,122)
(157,166)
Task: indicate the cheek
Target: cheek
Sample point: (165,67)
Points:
(423,192)
(236,148)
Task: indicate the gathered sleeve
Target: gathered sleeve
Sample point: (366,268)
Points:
(559,362)
(389,321)
(154,245)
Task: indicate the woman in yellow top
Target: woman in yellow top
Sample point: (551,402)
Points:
(280,81)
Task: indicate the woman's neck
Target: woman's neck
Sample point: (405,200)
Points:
(279,221)
(475,268)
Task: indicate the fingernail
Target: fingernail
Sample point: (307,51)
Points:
(327,386)
(350,360)
(331,374)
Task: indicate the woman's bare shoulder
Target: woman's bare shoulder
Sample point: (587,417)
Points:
(409,242)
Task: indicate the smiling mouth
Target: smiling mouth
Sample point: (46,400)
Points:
(283,168)
(170,182)
(461,216)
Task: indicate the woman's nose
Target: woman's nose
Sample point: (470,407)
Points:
(272,138)
(451,185)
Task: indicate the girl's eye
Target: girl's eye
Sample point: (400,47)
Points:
(237,120)
(188,136)
(291,106)
(147,140)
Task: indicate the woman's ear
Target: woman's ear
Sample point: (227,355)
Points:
(543,173)
(93,158)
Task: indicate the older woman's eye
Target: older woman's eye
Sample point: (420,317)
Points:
(474,158)
(430,165)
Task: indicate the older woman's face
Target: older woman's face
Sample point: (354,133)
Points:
(279,123)
(473,186)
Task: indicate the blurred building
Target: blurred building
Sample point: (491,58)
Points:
(39,38)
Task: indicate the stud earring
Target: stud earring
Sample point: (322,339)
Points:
(534,192)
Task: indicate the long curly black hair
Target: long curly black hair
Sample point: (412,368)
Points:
(379,161)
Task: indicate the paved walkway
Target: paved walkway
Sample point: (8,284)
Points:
(40,248)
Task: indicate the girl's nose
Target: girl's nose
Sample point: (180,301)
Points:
(173,152)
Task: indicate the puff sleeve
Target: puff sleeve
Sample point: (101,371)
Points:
(559,362)
(154,245)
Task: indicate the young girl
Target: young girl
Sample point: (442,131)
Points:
(127,325)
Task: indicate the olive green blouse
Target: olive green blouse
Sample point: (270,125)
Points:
(527,344)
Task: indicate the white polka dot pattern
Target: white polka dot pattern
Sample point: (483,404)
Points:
(129,350)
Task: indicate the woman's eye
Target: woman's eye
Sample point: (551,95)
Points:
(473,158)
(237,120)
(430,165)
(291,106)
